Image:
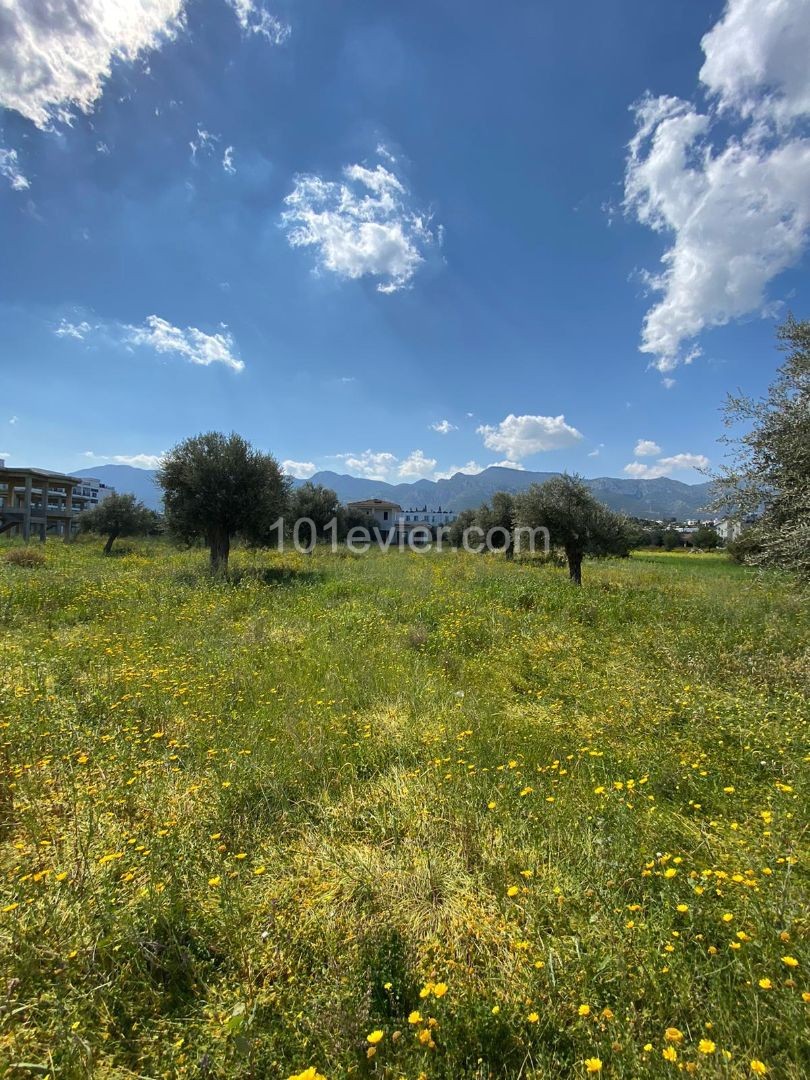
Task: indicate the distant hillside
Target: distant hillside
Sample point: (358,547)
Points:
(127,480)
(662,498)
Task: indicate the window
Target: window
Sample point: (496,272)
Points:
(385,515)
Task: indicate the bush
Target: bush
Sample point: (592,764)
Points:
(27,558)
(745,548)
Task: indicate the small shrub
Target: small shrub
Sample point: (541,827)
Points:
(27,558)
(745,548)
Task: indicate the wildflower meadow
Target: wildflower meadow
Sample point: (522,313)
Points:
(412,816)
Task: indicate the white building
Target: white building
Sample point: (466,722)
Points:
(390,515)
(426,516)
(383,512)
(728,529)
(92,491)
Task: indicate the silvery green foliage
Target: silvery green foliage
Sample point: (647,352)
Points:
(770,473)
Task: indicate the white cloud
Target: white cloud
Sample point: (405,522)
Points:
(227,161)
(668,383)
(255,19)
(665,466)
(507,464)
(137,461)
(519,436)
(416,465)
(374,465)
(13,419)
(597,450)
(444,427)
(472,468)
(365,225)
(757,58)
(55,58)
(195,345)
(685,461)
(202,143)
(300,469)
(736,207)
(79,331)
(646,448)
(10,169)
(5,454)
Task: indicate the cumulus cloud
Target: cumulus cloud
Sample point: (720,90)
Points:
(416,464)
(757,58)
(227,161)
(256,19)
(472,468)
(520,436)
(444,427)
(734,207)
(300,469)
(137,461)
(363,225)
(646,448)
(372,464)
(55,58)
(10,169)
(194,345)
(665,466)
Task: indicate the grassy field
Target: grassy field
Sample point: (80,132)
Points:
(403,816)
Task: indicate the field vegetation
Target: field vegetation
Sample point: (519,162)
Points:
(400,816)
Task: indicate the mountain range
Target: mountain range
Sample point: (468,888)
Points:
(660,498)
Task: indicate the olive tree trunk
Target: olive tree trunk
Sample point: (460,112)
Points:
(574,557)
(110,541)
(219,547)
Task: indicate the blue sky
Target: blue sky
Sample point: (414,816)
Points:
(398,239)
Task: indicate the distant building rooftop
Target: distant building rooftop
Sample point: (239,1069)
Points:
(9,471)
(374,504)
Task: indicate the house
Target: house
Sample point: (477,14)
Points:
(389,516)
(728,529)
(383,512)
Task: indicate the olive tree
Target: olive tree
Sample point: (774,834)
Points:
(216,487)
(769,476)
(317,503)
(118,515)
(575,520)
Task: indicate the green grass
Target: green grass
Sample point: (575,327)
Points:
(245,825)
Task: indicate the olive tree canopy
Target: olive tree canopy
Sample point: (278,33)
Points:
(770,471)
(216,487)
(118,515)
(575,520)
